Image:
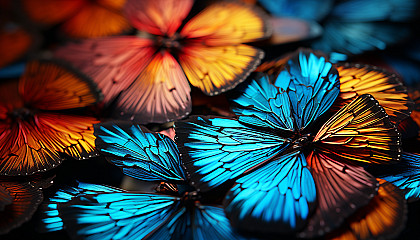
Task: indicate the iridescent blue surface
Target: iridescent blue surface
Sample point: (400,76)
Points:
(140,153)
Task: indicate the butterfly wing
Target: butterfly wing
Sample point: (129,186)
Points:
(140,153)
(405,175)
(25,200)
(215,150)
(50,217)
(160,93)
(361,131)
(384,216)
(15,41)
(227,23)
(261,104)
(385,87)
(35,146)
(113,63)
(158,17)
(305,9)
(120,215)
(210,222)
(48,85)
(97,19)
(275,198)
(342,188)
(312,85)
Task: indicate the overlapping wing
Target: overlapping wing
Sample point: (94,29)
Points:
(275,198)
(227,23)
(341,187)
(216,69)
(113,63)
(405,174)
(361,131)
(261,104)
(51,86)
(25,200)
(50,217)
(312,85)
(15,41)
(215,150)
(158,17)
(140,153)
(384,86)
(161,92)
(35,145)
(120,215)
(383,217)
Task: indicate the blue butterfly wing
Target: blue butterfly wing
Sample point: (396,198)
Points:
(358,37)
(375,10)
(404,174)
(140,153)
(312,85)
(50,217)
(215,150)
(305,9)
(210,222)
(275,198)
(261,104)
(121,215)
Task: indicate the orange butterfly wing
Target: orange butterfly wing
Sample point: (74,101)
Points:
(159,94)
(227,23)
(385,87)
(49,86)
(96,20)
(415,95)
(384,217)
(14,42)
(51,12)
(113,63)
(361,131)
(158,17)
(219,68)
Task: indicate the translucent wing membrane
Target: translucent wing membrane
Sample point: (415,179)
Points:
(160,17)
(25,199)
(140,153)
(384,216)
(49,86)
(342,188)
(312,85)
(160,93)
(226,23)
(385,87)
(215,150)
(405,174)
(51,218)
(261,104)
(361,131)
(118,215)
(216,69)
(113,63)
(274,198)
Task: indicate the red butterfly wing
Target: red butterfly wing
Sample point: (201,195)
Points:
(113,63)
(158,17)
(25,200)
(342,188)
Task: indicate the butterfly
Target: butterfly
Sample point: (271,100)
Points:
(39,121)
(288,177)
(150,74)
(388,207)
(79,18)
(19,200)
(175,212)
